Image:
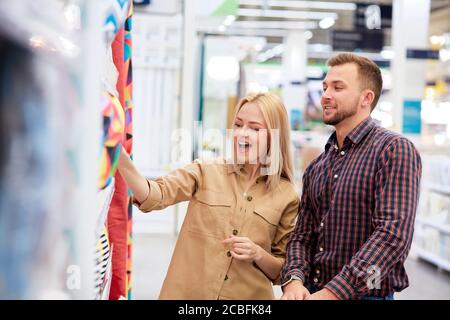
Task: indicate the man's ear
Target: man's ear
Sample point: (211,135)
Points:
(367,98)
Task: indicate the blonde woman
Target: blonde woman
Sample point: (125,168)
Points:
(233,239)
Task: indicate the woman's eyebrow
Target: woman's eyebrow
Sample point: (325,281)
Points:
(250,122)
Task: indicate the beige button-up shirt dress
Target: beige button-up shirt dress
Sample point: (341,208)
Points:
(201,266)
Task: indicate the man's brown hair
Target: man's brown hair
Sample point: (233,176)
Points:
(368,72)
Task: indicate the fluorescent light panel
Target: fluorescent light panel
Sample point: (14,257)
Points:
(289,14)
(302,4)
(275,24)
(256,32)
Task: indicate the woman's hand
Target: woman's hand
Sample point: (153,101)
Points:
(244,249)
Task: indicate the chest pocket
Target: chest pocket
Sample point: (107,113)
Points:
(264,225)
(211,213)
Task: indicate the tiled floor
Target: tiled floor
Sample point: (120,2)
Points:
(151,256)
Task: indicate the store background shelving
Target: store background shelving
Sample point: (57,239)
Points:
(432,234)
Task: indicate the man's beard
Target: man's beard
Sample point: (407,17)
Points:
(340,116)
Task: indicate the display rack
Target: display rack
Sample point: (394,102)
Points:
(47,251)
(432,235)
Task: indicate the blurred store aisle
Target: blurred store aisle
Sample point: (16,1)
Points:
(152,256)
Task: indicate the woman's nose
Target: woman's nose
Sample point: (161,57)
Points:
(243,131)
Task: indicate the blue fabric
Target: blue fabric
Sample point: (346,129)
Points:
(388,297)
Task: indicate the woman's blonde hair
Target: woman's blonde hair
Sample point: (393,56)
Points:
(276,117)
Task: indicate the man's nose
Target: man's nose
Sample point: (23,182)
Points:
(326,95)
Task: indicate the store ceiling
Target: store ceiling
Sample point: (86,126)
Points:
(273,19)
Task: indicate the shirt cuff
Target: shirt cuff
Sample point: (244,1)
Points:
(153,198)
(296,273)
(341,287)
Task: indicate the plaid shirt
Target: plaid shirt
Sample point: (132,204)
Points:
(356,216)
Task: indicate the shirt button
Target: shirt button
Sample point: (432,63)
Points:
(321,249)
(335,176)
(342,153)
(321,224)
(226,278)
(229,254)
(317,271)
(249,198)
(316,280)
(235,232)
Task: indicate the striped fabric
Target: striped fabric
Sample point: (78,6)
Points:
(356,216)
(102,261)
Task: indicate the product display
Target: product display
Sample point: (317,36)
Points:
(24,119)
(113,128)
(119,217)
(48,193)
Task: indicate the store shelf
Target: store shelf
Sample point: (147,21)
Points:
(433,258)
(444,190)
(426,222)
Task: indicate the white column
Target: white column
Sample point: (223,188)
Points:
(88,118)
(409,31)
(188,89)
(294,73)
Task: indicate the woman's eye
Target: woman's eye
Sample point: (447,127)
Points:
(255,129)
(237,125)
(339,88)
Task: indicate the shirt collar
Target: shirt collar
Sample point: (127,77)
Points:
(236,169)
(356,135)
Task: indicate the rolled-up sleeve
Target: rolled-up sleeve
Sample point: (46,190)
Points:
(179,185)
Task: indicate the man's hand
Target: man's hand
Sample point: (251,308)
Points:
(323,294)
(295,290)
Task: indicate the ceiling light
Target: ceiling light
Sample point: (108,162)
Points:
(223,68)
(276,24)
(229,20)
(256,32)
(444,55)
(387,54)
(308,34)
(287,14)
(301,4)
(437,40)
(326,23)
(258,47)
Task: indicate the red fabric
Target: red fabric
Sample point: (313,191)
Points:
(118,212)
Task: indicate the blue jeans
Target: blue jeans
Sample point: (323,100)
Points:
(312,289)
(388,297)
